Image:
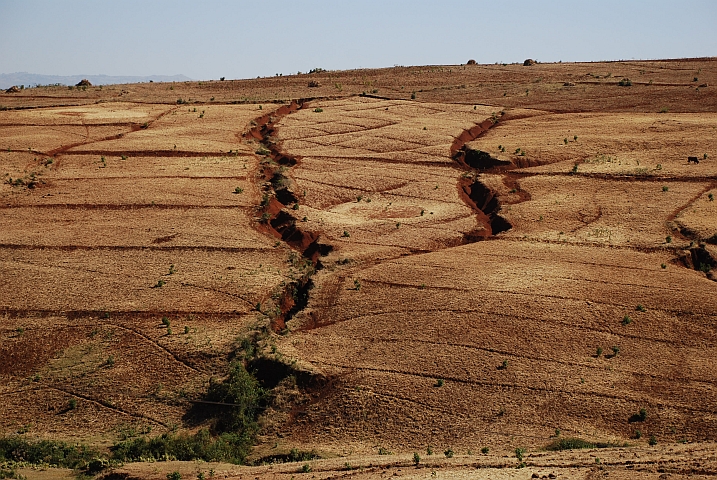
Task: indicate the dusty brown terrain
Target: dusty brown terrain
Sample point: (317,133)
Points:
(484,235)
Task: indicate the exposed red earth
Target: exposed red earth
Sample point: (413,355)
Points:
(449,258)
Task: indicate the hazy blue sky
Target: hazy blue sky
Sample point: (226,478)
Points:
(241,39)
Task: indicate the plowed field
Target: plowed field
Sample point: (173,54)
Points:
(495,256)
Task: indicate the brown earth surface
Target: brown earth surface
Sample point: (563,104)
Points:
(483,236)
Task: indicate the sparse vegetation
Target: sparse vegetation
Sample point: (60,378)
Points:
(68,266)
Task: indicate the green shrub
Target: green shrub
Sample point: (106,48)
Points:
(519,452)
(227,447)
(49,452)
(485,450)
(10,474)
(242,390)
(625,82)
(174,476)
(416,458)
(653,440)
(626,320)
(448,453)
(575,443)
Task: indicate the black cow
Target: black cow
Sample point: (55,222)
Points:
(693,159)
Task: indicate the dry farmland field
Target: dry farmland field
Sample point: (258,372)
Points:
(439,271)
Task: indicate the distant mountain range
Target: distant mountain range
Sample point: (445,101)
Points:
(7,80)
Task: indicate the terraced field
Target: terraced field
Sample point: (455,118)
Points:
(491,255)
